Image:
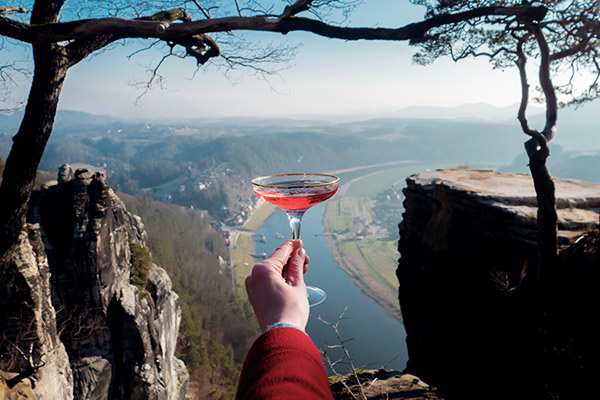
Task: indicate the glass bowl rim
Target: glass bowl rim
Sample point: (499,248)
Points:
(333,182)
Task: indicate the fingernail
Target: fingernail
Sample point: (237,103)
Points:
(302,252)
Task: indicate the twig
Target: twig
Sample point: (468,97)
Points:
(206,12)
(237,5)
(342,342)
(12,9)
(295,8)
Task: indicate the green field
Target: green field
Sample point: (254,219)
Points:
(244,246)
(259,217)
(243,261)
(341,212)
(380,258)
(371,185)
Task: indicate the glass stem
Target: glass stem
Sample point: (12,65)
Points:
(295,218)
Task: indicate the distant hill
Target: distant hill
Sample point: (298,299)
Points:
(577,122)
(578,128)
(206,163)
(65,120)
(477,111)
(583,165)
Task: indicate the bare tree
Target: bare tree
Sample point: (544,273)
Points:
(193,28)
(563,37)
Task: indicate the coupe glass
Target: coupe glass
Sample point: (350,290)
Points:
(296,193)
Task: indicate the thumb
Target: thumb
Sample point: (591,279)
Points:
(295,270)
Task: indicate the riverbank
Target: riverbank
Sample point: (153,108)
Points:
(356,267)
(243,245)
(366,249)
(373,274)
(361,225)
(259,216)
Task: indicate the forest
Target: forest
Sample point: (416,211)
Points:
(217,326)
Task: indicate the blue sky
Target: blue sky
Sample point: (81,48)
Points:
(328,76)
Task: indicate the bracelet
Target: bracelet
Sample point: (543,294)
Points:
(283,325)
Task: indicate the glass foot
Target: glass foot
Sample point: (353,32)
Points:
(315,295)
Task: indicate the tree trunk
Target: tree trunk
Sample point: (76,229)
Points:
(30,141)
(547,217)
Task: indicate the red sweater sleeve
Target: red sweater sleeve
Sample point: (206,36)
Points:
(283,363)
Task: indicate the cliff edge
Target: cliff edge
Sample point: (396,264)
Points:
(478,323)
(74,324)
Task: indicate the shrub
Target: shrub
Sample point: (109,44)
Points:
(141,263)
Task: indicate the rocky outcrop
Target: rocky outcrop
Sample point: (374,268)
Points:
(468,293)
(117,340)
(29,340)
(382,384)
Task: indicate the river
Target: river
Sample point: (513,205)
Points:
(373,339)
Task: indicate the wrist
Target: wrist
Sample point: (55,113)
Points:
(294,316)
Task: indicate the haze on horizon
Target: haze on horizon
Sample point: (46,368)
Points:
(326,77)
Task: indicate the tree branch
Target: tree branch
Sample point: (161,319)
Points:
(196,45)
(237,6)
(204,11)
(165,30)
(522,114)
(297,7)
(46,12)
(579,47)
(12,9)
(546,84)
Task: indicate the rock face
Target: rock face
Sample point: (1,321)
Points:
(97,336)
(29,342)
(467,275)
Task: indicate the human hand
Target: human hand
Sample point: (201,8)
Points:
(276,287)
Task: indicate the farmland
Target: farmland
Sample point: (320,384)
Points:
(362,222)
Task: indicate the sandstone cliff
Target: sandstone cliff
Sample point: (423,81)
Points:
(478,325)
(75,326)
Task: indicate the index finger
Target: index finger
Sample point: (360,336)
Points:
(280,256)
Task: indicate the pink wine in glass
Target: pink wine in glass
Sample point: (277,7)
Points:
(298,199)
(296,193)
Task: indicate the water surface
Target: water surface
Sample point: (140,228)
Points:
(373,338)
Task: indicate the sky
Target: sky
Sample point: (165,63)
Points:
(327,77)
